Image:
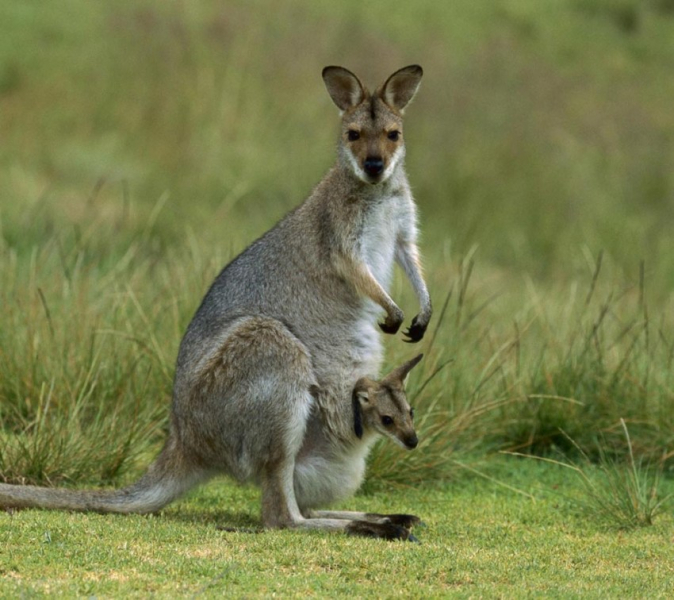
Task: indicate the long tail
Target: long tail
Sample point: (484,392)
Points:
(168,477)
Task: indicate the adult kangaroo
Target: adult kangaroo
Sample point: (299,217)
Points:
(287,330)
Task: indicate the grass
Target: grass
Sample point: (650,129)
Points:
(480,539)
(144,144)
(624,496)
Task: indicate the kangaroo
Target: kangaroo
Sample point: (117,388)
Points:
(329,466)
(289,323)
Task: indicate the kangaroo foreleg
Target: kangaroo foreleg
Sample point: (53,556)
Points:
(359,274)
(407,257)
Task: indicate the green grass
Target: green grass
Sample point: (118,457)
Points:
(480,539)
(143,144)
(621,494)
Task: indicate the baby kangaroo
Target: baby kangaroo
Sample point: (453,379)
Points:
(267,365)
(330,465)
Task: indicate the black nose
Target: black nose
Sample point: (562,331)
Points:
(373,166)
(412,442)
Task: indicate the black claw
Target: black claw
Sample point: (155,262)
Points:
(413,538)
(390,328)
(415,332)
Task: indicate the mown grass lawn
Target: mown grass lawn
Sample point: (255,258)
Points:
(480,539)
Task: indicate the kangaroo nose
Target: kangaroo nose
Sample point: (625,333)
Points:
(412,442)
(373,166)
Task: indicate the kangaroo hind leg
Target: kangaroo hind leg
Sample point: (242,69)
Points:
(279,509)
(403,520)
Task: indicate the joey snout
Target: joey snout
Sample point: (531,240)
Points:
(411,441)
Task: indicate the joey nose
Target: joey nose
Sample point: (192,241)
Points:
(412,441)
(373,166)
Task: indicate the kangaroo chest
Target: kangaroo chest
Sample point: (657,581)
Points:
(379,235)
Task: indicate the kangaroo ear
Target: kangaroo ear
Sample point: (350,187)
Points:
(344,87)
(357,413)
(359,398)
(400,87)
(400,374)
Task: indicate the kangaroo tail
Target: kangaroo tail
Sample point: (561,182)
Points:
(168,477)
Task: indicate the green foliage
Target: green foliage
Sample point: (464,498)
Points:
(145,143)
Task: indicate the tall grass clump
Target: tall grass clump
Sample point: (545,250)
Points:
(624,494)
(87,346)
(528,372)
(597,362)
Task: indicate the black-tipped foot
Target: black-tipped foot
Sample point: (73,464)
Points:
(385,531)
(406,521)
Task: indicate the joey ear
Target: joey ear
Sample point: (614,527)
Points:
(356,399)
(361,391)
(400,374)
(359,398)
(400,87)
(344,87)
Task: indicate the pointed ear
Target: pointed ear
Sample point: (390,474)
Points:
(400,87)
(400,374)
(344,87)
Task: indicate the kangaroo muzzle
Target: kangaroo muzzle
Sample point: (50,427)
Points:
(373,166)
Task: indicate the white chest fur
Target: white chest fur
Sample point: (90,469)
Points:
(380,234)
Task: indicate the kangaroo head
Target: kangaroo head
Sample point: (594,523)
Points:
(382,406)
(371,141)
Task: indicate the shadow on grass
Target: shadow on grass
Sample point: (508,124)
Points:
(226,520)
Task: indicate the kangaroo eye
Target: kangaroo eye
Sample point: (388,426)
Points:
(412,413)
(387,421)
(353,135)
(393,135)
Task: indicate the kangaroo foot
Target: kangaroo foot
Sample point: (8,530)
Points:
(386,531)
(402,520)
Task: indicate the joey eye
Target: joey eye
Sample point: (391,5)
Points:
(387,421)
(393,135)
(353,135)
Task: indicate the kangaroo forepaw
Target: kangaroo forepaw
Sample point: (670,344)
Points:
(392,324)
(389,328)
(385,531)
(415,332)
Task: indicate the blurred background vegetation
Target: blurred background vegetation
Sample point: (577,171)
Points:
(143,143)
